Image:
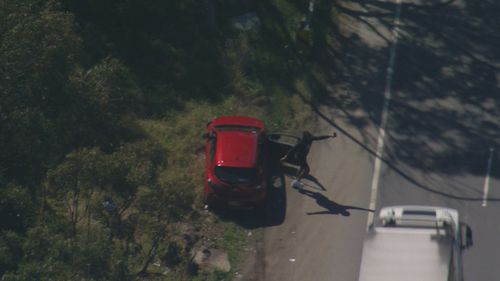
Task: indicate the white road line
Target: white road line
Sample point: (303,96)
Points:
(385,109)
(486,186)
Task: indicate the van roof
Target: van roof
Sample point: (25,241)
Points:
(410,254)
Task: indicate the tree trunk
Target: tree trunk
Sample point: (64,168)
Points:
(211,15)
(152,251)
(44,201)
(74,219)
(74,207)
(87,209)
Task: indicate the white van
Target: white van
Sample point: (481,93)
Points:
(415,243)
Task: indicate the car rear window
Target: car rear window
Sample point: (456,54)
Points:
(236,175)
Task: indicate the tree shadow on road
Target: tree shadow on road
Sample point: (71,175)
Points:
(443,112)
(331,207)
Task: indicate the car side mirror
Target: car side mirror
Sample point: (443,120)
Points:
(208,136)
(466,234)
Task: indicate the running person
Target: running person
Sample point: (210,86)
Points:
(300,152)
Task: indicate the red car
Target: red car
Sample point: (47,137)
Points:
(236,162)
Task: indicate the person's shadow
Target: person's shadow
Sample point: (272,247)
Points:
(331,207)
(316,181)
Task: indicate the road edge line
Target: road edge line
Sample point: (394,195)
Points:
(486,186)
(381,133)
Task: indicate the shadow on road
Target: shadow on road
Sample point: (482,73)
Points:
(331,207)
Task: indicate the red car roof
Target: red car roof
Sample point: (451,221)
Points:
(237,148)
(238,120)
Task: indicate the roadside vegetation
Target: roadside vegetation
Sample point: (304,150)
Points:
(102,108)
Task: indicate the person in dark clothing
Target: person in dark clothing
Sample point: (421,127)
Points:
(300,151)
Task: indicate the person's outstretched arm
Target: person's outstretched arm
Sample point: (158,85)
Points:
(324,137)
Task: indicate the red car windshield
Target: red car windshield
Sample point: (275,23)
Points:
(236,175)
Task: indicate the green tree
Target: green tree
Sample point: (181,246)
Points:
(75,180)
(159,206)
(132,165)
(10,251)
(38,50)
(92,257)
(17,210)
(106,98)
(47,256)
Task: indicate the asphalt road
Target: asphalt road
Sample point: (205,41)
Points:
(440,145)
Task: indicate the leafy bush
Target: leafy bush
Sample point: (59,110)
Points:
(17,210)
